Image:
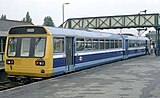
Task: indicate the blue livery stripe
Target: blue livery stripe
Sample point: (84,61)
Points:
(59,62)
(92,57)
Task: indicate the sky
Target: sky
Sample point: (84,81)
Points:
(39,9)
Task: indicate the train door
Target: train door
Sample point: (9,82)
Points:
(126,48)
(69,53)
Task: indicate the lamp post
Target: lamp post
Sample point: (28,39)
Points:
(63,10)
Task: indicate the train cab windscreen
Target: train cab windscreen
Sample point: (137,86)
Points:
(26,47)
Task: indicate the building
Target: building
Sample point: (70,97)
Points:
(5,25)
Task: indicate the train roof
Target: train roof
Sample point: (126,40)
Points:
(134,37)
(82,33)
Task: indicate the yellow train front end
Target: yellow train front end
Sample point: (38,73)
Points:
(29,52)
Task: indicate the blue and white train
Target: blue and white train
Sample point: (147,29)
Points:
(37,51)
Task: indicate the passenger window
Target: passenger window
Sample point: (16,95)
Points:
(101,44)
(58,44)
(120,43)
(112,43)
(116,43)
(107,44)
(130,43)
(40,47)
(88,44)
(25,46)
(80,44)
(95,44)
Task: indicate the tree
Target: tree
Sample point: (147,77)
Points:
(27,18)
(48,21)
(3,17)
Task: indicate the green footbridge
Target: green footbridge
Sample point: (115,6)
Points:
(117,22)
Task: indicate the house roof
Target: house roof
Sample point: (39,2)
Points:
(3,33)
(5,25)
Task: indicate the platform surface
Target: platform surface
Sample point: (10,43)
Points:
(134,78)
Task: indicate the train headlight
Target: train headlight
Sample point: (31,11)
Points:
(40,63)
(9,61)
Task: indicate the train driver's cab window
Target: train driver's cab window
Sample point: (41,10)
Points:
(39,47)
(12,45)
(58,44)
(25,46)
(80,44)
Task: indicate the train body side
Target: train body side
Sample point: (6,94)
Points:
(70,50)
(134,46)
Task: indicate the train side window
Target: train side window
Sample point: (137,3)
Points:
(120,43)
(138,43)
(107,44)
(135,43)
(88,44)
(112,43)
(101,43)
(80,44)
(25,46)
(95,44)
(12,45)
(58,44)
(116,43)
(130,43)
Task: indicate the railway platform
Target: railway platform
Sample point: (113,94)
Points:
(133,78)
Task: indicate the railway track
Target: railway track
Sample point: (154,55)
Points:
(9,84)
(5,85)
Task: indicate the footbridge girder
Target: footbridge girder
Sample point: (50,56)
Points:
(114,22)
(117,22)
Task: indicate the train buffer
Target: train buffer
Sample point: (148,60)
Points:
(133,78)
